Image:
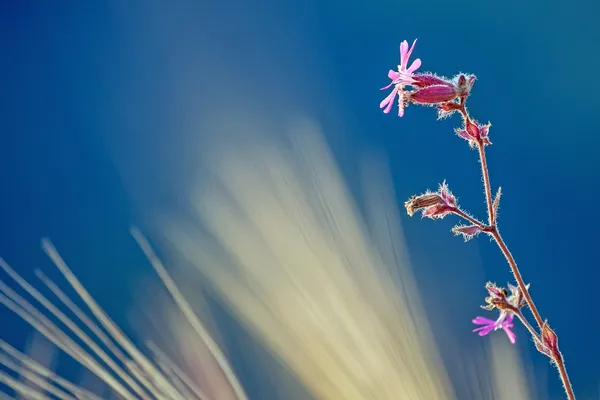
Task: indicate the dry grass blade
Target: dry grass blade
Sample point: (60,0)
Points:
(108,354)
(299,266)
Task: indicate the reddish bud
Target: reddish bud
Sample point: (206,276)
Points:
(433,94)
(548,344)
(472,129)
(549,338)
(424,80)
(464,85)
(473,132)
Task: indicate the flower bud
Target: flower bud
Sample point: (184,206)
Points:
(474,133)
(464,85)
(432,205)
(434,94)
(549,338)
(425,80)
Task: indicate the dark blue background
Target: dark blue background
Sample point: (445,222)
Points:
(92,89)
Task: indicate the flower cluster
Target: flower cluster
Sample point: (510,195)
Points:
(427,88)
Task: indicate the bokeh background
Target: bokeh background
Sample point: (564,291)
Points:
(102,103)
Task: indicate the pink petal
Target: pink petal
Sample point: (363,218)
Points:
(393,75)
(511,335)
(411,50)
(403,52)
(483,321)
(414,66)
(484,330)
(389,101)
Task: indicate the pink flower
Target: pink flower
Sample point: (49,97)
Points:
(505,321)
(400,78)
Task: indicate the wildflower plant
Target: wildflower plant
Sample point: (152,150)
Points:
(449,96)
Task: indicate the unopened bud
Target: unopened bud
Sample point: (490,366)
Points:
(473,132)
(464,85)
(418,202)
(425,80)
(433,205)
(434,94)
(549,338)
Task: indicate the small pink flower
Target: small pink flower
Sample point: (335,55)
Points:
(400,78)
(504,321)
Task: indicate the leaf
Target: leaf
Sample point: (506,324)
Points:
(496,203)
(467,231)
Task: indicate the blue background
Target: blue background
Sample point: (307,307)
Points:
(93,89)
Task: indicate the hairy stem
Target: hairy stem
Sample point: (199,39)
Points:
(564,377)
(532,331)
(472,220)
(557,358)
(517,274)
(486,183)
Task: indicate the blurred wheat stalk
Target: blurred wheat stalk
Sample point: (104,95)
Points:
(334,298)
(98,344)
(281,240)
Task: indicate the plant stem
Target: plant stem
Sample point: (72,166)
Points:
(564,377)
(517,274)
(557,357)
(472,220)
(486,182)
